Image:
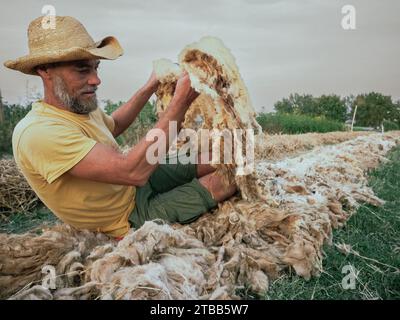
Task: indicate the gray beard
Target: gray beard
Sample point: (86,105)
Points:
(74,104)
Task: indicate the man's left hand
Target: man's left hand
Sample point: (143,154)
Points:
(153,82)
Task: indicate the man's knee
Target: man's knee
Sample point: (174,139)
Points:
(219,190)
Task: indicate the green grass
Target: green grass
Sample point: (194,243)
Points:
(20,223)
(296,123)
(358,128)
(375,234)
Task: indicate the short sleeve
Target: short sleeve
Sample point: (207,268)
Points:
(52,150)
(109,121)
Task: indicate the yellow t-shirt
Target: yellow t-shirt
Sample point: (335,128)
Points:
(47,143)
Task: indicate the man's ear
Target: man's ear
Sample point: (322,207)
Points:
(44,72)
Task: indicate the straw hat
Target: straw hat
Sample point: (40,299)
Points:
(68,41)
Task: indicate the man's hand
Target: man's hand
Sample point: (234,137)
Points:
(184,93)
(152,83)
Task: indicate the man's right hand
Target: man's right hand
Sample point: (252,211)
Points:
(184,93)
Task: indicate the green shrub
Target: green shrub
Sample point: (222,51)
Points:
(143,123)
(390,125)
(295,123)
(12,115)
(332,107)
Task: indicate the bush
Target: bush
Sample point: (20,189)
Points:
(373,108)
(295,124)
(144,122)
(390,125)
(332,107)
(12,115)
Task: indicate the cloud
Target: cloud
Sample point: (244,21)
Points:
(281,46)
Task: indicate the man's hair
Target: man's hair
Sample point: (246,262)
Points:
(48,65)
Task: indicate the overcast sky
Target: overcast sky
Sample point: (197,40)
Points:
(281,47)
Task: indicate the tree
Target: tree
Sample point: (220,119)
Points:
(299,104)
(307,104)
(284,106)
(373,108)
(332,107)
(396,113)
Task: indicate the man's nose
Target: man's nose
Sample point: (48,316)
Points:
(94,79)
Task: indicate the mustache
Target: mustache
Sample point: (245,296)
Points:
(91,89)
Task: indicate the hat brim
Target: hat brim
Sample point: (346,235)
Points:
(107,48)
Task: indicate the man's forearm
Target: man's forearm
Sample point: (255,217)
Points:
(127,113)
(136,158)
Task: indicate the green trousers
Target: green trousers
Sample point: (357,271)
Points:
(172,193)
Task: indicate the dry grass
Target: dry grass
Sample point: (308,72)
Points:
(15,193)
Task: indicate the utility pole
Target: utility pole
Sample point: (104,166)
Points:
(1,109)
(354,117)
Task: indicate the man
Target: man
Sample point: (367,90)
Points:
(66,146)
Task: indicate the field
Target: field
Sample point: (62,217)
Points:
(368,241)
(373,232)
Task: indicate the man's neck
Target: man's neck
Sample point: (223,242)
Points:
(52,100)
